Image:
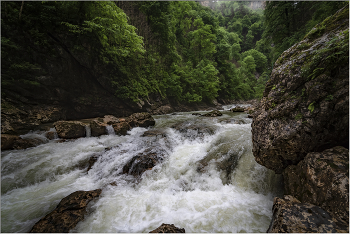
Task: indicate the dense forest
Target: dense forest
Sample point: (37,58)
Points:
(181,50)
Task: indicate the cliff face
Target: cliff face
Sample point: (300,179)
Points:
(305,107)
(301,129)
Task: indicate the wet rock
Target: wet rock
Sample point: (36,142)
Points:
(290,215)
(98,128)
(121,128)
(142,119)
(92,161)
(143,162)
(322,179)
(213,113)
(192,129)
(70,129)
(67,214)
(51,135)
(154,133)
(250,116)
(305,106)
(168,228)
(7,141)
(27,143)
(234,121)
(196,114)
(237,109)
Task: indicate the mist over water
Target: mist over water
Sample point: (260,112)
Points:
(208,181)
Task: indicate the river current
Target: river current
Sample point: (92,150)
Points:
(207,182)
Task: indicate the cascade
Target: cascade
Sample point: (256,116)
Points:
(207,180)
(110,130)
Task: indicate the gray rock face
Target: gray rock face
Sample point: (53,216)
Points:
(70,129)
(289,215)
(305,107)
(67,214)
(322,179)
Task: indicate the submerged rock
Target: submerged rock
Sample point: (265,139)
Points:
(68,212)
(305,106)
(70,129)
(213,113)
(290,215)
(322,179)
(237,109)
(143,162)
(193,129)
(168,228)
(27,143)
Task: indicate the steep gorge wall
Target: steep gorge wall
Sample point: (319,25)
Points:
(301,129)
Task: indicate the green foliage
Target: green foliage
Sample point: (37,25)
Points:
(311,107)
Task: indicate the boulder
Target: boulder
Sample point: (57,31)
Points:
(7,141)
(290,215)
(305,105)
(237,109)
(143,161)
(213,113)
(69,129)
(110,119)
(142,119)
(168,228)
(68,212)
(121,128)
(322,179)
(97,128)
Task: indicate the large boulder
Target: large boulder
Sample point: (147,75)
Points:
(305,106)
(68,212)
(168,228)
(142,119)
(290,215)
(70,129)
(322,179)
(97,128)
(27,143)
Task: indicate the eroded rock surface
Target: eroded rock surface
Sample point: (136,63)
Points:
(322,179)
(290,215)
(70,129)
(305,106)
(237,109)
(67,214)
(168,228)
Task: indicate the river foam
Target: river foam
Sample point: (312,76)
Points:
(175,191)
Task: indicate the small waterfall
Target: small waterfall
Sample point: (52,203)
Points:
(88,130)
(110,130)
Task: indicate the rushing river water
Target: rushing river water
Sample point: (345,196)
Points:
(207,182)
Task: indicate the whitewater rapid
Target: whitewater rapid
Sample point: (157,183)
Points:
(34,180)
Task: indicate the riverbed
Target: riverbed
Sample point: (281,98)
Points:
(208,180)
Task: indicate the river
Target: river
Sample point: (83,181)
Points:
(207,182)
